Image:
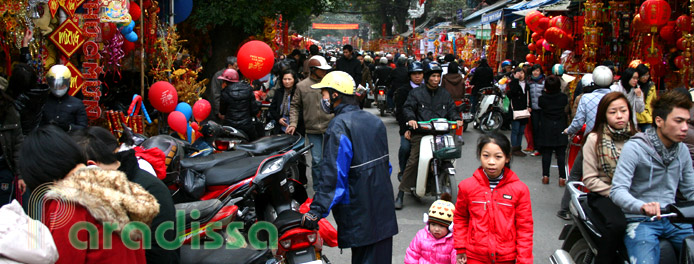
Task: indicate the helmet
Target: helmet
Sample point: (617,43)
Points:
(368,59)
(441,212)
(58,79)
(383,60)
(340,81)
(319,62)
(602,76)
(172,149)
(587,80)
(415,66)
(389,57)
(558,69)
(434,67)
(506,63)
(229,75)
(402,60)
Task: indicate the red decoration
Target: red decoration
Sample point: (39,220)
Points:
(162,95)
(532,19)
(68,37)
(655,13)
(135,11)
(539,45)
(638,24)
(108,30)
(177,121)
(680,44)
(684,23)
(543,24)
(679,62)
(128,47)
(668,33)
(547,46)
(201,110)
(532,46)
(530,58)
(77,80)
(255,59)
(558,37)
(536,36)
(561,22)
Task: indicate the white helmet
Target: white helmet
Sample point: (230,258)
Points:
(602,76)
(587,80)
(383,60)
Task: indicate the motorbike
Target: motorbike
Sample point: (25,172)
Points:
(490,109)
(438,151)
(464,109)
(580,237)
(381,100)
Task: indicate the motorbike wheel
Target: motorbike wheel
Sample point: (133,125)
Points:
(580,252)
(450,185)
(492,122)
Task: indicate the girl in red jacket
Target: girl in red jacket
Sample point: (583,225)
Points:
(493,220)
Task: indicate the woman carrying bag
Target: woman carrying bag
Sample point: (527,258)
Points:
(518,93)
(552,124)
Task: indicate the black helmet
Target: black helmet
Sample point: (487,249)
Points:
(402,60)
(415,66)
(434,67)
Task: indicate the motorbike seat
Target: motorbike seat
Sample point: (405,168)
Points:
(205,162)
(224,255)
(206,208)
(232,172)
(287,219)
(269,144)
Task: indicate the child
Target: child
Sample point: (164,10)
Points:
(434,243)
(493,220)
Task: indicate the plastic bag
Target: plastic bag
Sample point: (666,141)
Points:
(507,104)
(326,230)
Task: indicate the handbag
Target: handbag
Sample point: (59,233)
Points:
(522,114)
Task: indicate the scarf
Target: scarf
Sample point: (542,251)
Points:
(284,107)
(608,154)
(667,155)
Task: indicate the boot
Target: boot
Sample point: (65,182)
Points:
(516,151)
(398,200)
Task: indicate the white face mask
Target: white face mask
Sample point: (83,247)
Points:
(59,92)
(326,106)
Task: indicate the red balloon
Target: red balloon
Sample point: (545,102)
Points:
(177,121)
(532,19)
(530,58)
(135,11)
(655,12)
(668,33)
(163,97)
(680,44)
(679,62)
(543,24)
(684,23)
(532,46)
(108,30)
(536,36)
(201,109)
(195,126)
(561,22)
(255,59)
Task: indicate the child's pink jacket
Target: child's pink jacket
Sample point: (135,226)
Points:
(425,249)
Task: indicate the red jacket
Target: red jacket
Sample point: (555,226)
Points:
(494,225)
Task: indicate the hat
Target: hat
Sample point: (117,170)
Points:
(319,62)
(229,75)
(340,81)
(441,212)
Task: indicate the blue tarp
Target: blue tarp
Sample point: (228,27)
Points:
(532,4)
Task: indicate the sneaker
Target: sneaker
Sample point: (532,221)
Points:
(535,154)
(564,215)
(528,150)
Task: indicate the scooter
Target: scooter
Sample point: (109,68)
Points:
(490,109)
(581,235)
(465,114)
(438,151)
(381,100)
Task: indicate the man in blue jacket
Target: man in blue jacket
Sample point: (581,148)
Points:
(355,182)
(652,166)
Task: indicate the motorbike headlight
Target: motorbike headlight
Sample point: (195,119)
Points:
(272,167)
(441,126)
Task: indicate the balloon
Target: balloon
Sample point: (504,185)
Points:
(561,22)
(536,36)
(255,59)
(543,24)
(177,122)
(135,11)
(532,19)
(681,44)
(132,36)
(182,9)
(108,30)
(163,97)
(195,126)
(679,62)
(530,58)
(532,46)
(128,47)
(185,108)
(668,33)
(127,28)
(201,109)
(684,23)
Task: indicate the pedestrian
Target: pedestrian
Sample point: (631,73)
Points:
(483,77)
(307,103)
(416,76)
(628,84)
(214,92)
(601,152)
(536,82)
(11,183)
(520,99)
(62,109)
(355,181)
(50,156)
(653,168)
(649,93)
(238,104)
(493,220)
(306,70)
(434,242)
(552,123)
(349,64)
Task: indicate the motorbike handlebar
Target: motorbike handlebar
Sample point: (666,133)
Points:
(304,149)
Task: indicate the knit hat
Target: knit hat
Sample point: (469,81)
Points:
(441,211)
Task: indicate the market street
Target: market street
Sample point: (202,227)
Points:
(545,198)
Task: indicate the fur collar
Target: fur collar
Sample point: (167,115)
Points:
(107,195)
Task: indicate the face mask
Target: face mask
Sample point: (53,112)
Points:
(325,105)
(59,92)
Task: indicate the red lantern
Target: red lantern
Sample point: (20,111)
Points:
(680,44)
(128,47)
(532,19)
(163,96)
(255,59)
(532,46)
(536,36)
(559,38)
(539,45)
(530,58)
(668,33)
(135,11)
(543,24)
(684,23)
(561,22)
(655,13)
(108,30)
(679,62)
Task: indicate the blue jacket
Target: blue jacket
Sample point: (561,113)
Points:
(355,180)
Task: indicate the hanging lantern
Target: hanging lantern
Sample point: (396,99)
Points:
(532,19)
(681,44)
(532,46)
(530,58)
(543,24)
(655,13)
(668,33)
(684,23)
(536,36)
(679,62)
(561,22)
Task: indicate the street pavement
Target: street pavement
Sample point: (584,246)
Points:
(545,198)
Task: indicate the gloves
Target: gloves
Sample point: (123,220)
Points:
(310,220)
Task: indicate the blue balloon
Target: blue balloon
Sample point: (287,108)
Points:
(132,37)
(185,109)
(128,28)
(182,9)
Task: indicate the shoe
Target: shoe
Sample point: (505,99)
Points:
(562,182)
(564,215)
(528,150)
(535,154)
(517,152)
(398,200)
(400,176)
(545,180)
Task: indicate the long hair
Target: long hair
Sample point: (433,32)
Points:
(601,115)
(626,76)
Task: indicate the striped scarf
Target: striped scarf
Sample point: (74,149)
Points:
(608,154)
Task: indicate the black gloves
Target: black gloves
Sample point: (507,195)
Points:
(310,220)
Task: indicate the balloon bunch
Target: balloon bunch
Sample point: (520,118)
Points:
(163,97)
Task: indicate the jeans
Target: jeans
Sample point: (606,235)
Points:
(560,153)
(316,156)
(473,102)
(517,128)
(641,239)
(403,152)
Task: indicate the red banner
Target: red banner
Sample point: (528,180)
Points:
(335,26)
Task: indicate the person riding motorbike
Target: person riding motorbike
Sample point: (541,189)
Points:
(238,103)
(62,109)
(416,75)
(422,105)
(398,78)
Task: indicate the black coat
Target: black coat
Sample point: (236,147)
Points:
(11,136)
(519,99)
(66,112)
(382,75)
(351,67)
(552,120)
(238,105)
(400,97)
(275,114)
(483,77)
(424,104)
(355,180)
(399,77)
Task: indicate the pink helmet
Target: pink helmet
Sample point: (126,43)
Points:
(229,75)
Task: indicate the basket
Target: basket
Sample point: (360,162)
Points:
(448,153)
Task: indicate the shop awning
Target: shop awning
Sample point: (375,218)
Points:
(477,14)
(523,8)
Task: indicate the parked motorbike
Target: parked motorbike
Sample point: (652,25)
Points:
(437,153)
(490,109)
(381,100)
(580,237)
